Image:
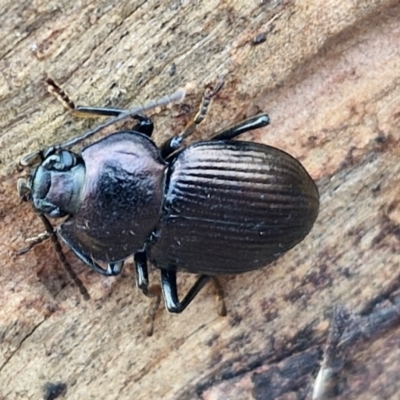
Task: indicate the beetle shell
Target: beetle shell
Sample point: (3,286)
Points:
(121,198)
(231,207)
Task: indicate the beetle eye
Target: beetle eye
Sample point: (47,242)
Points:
(62,161)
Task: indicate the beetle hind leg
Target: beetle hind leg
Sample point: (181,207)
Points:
(170,291)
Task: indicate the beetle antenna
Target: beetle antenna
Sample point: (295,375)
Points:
(63,259)
(176,97)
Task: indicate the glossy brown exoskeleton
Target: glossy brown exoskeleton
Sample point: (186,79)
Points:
(214,207)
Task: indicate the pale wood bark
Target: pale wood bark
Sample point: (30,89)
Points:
(328,75)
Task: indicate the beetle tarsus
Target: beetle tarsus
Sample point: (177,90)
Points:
(202,112)
(79,111)
(332,358)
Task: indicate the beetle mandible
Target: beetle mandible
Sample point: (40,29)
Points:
(213,207)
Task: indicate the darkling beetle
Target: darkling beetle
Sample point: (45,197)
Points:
(218,206)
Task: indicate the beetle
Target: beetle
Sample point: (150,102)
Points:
(213,207)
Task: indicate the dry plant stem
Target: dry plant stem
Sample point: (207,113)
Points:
(339,322)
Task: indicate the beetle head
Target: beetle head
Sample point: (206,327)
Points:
(55,185)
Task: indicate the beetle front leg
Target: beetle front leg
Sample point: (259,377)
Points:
(112,268)
(79,111)
(175,143)
(144,125)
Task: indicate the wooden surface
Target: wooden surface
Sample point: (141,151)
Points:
(328,75)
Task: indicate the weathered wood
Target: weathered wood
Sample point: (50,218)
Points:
(327,74)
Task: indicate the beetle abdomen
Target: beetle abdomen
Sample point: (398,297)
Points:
(231,207)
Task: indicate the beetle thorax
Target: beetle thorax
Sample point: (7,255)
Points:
(121,198)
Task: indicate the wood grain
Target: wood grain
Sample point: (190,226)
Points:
(327,74)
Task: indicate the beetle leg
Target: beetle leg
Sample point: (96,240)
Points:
(142,281)
(33,241)
(110,271)
(112,268)
(179,95)
(174,143)
(258,121)
(90,112)
(202,112)
(79,111)
(142,276)
(170,292)
(63,259)
(144,125)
